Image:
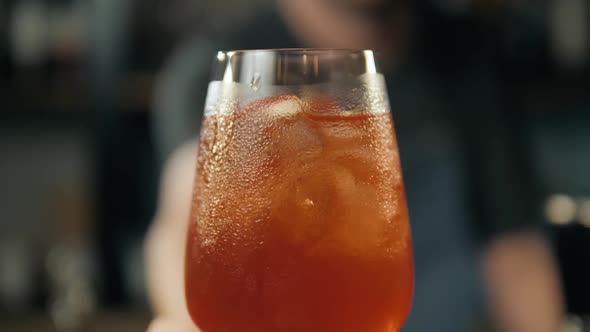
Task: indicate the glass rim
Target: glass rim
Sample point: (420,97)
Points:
(298,50)
(293,66)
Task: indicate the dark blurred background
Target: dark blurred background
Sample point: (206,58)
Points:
(79,165)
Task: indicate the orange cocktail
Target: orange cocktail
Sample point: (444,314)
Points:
(299,220)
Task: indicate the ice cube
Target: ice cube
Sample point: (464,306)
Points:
(359,160)
(341,131)
(297,139)
(331,212)
(272,121)
(361,224)
(323,105)
(255,129)
(284,106)
(307,203)
(274,107)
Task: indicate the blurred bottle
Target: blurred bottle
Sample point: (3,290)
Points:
(573,324)
(71,262)
(68,33)
(17,274)
(571,219)
(29,35)
(4,46)
(570,34)
(524,29)
(47,40)
(68,43)
(133,274)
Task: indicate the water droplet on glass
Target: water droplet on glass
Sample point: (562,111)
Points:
(255,82)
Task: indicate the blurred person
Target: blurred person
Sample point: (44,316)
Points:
(460,170)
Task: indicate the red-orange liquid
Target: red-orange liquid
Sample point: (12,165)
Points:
(299,223)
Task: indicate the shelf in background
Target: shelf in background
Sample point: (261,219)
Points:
(72,94)
(112,322)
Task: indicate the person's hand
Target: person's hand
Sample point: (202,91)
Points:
(523,284)
(163,324)
(165,244)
